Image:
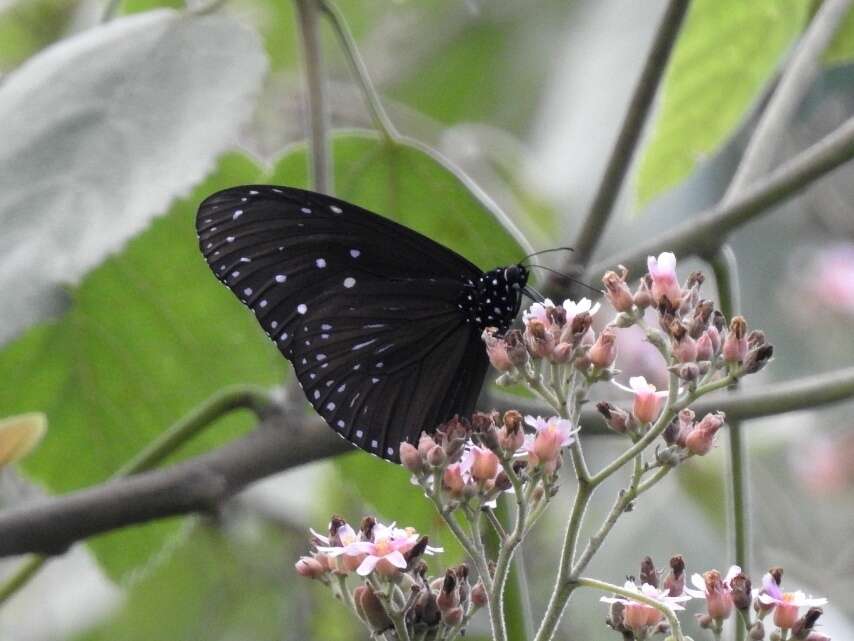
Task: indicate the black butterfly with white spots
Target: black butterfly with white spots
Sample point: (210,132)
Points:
(382,325)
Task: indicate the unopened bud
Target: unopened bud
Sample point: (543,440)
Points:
(516,350)
(485,464)
(757,631)
(427,610)
(452,480)
(674,582)
(740,590)
(757,359)
(705,350)
(617,419)
(804,625)
(562,353)
(453,616)
(371,608)
(478,595)
(603,352)
(425,444)
(648,573)
(310,568)
(704,621)
(735,343)
(436,457)
(410,458)
(643,297)
(702,437)
(540,342)
(617,291)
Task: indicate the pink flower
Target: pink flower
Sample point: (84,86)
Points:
(603,353)
(648,400)
(573,309)
(481,463)
(716,591)
(496,350)
(552,435)
(664,281)
(539,312)
(700,440)
(384,553)
(786,604)
(638,616)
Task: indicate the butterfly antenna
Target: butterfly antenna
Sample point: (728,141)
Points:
(570,278)
(546,251)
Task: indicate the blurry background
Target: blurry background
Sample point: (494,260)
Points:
(111,324)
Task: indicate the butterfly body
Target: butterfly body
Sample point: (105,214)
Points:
(381,324)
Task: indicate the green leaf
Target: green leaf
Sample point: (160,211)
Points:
(726,54)
(217,587)
(26,26)
(150,334)
(101,131)
(841,49)
(408,186)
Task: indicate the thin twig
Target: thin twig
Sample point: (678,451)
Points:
(360,71)
(316,108)
(701,234)
(630,131)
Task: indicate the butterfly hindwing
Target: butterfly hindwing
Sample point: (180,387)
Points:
(365,309)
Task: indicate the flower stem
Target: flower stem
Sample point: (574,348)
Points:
(670,615)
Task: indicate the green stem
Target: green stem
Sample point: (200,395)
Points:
(725,268)
(670,615)
(316,107)
(227,400)
(701,232)
(110,10)
(360,71)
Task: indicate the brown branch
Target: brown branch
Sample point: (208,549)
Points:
(200,484)
(702,234)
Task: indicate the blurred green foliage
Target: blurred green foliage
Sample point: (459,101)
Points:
(726,54)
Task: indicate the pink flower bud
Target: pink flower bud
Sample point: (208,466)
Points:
(510,435)
(617,419)
(702,437)
(603,353)
(718,599)
(705,350)
(686,350)
(617,291)
(735,343)
(310,568)
(478,595)
(665,284)
(425,444)
(539,341)
(452,617)
(371,608)
(785,615)
(452,480)
(647,403)
(496,350)
(436,457)
(562,353)
(485,464)
(410,458)
(637,616)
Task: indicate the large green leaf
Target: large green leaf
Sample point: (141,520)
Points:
(218,587)
(150,333)
(726,54)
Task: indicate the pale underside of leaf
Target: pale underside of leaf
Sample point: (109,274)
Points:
(100,132)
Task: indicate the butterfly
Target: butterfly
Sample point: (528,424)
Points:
(382,324)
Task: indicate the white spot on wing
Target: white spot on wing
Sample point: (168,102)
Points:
(365,344)
(320,262)
(349,282)
(281,278)
(355,253)
(302,308)
(237,214)
(335,210)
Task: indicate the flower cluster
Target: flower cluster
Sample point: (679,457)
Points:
(394,588)
(640,618)
(470,462)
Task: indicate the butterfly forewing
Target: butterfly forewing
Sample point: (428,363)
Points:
(365,309)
